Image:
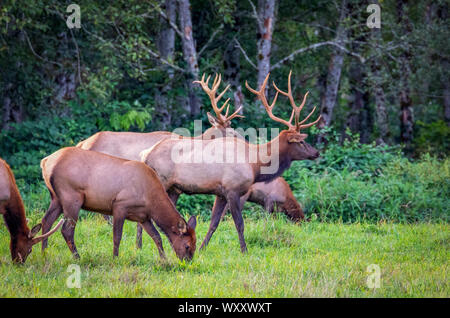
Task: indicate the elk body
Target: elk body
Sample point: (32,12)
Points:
(230,180)
(109,185)
(13,211)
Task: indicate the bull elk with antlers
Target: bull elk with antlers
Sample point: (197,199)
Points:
(13,211)
(231,180)
(276,193)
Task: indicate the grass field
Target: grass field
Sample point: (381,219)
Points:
(284,260)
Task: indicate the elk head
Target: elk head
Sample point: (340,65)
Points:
(22,245)
(183,238)
(297,148)
(220,122)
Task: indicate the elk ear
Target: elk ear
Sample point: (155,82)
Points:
(192,222)
(212,120)
(297,137)
(182,228)
(35,230)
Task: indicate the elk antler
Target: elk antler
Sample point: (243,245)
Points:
(295,109)
(211,92)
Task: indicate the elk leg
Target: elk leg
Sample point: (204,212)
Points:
(269,205)
(119,215)
(49,218)
(107,218)
(233,201)
(174,194)
(138,235)
(218,207)
(243,199)
(71,211)
(225,210)
(154,234)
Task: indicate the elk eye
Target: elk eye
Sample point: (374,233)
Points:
(186,247)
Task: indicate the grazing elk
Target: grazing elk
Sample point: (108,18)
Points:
(274,196)
(230,180)
(13,211)
(125,189)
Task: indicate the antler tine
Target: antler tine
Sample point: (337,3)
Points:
(310,124)
(223,106)
(221,94)
(236,114)
(211,92)
(262,96)
(216,83)
(307,117)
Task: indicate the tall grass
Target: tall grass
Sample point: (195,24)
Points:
(284,260)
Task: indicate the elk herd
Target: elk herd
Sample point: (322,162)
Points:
(134,176)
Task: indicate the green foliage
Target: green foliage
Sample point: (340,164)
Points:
(398,190)
(432,138)
(24,145)
(364,160)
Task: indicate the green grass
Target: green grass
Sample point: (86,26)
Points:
(284,260)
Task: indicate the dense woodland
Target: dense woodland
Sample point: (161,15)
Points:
(382,92)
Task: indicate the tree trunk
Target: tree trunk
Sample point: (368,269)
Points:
(232,65)
(266,22)
(406,111)
(442,13)
(447,102)
(166,47)
(334,74)
(189,54)
(353,121)
(6,112)
(376,81)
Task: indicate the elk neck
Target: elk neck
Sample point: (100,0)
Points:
(166,215)
(278,152)
(14,216)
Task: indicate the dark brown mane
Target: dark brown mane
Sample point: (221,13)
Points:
(15,218)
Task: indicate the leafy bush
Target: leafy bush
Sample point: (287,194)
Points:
(27,143)
(432,138)
(401,191)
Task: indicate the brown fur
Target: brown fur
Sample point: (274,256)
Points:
(275,196)
(109,185)
(13,211)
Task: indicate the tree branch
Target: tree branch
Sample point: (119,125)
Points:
(245,54)
(162,60)
(314,46)
(34,52)
(210,40)
(78,56)
(162,14)
(256,16)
